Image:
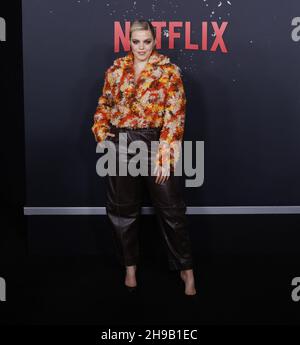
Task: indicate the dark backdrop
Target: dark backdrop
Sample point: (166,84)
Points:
(244,104)
(255,290)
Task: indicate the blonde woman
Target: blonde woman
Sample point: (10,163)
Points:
(143,97)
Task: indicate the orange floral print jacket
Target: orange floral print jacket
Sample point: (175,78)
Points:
(157,99)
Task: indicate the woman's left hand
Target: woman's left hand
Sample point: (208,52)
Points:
(162,174)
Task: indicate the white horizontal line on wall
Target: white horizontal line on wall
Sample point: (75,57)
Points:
(150,210)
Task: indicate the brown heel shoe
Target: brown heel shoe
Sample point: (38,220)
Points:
(131,289)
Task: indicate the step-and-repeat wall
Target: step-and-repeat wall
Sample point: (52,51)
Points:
(240,67)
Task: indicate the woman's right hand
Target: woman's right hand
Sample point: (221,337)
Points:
(111,134)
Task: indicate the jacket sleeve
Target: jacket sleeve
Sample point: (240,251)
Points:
(171,134)
(101,124)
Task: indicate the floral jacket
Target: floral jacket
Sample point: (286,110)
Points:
(157,99)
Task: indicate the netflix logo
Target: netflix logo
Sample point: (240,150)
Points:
(180,31)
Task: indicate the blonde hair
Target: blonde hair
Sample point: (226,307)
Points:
(140,24)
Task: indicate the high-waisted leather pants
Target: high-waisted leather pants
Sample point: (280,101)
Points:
(123,204)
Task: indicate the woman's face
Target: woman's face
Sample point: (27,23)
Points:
(142,44)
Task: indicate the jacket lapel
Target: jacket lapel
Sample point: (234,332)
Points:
(152,72)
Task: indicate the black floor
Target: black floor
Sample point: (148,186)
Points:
(67,273)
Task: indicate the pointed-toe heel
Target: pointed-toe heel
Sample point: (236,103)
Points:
(191,297)
(131,289)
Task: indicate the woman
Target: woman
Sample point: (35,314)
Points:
(143,97)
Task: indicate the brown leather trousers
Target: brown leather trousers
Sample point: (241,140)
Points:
(124,199)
